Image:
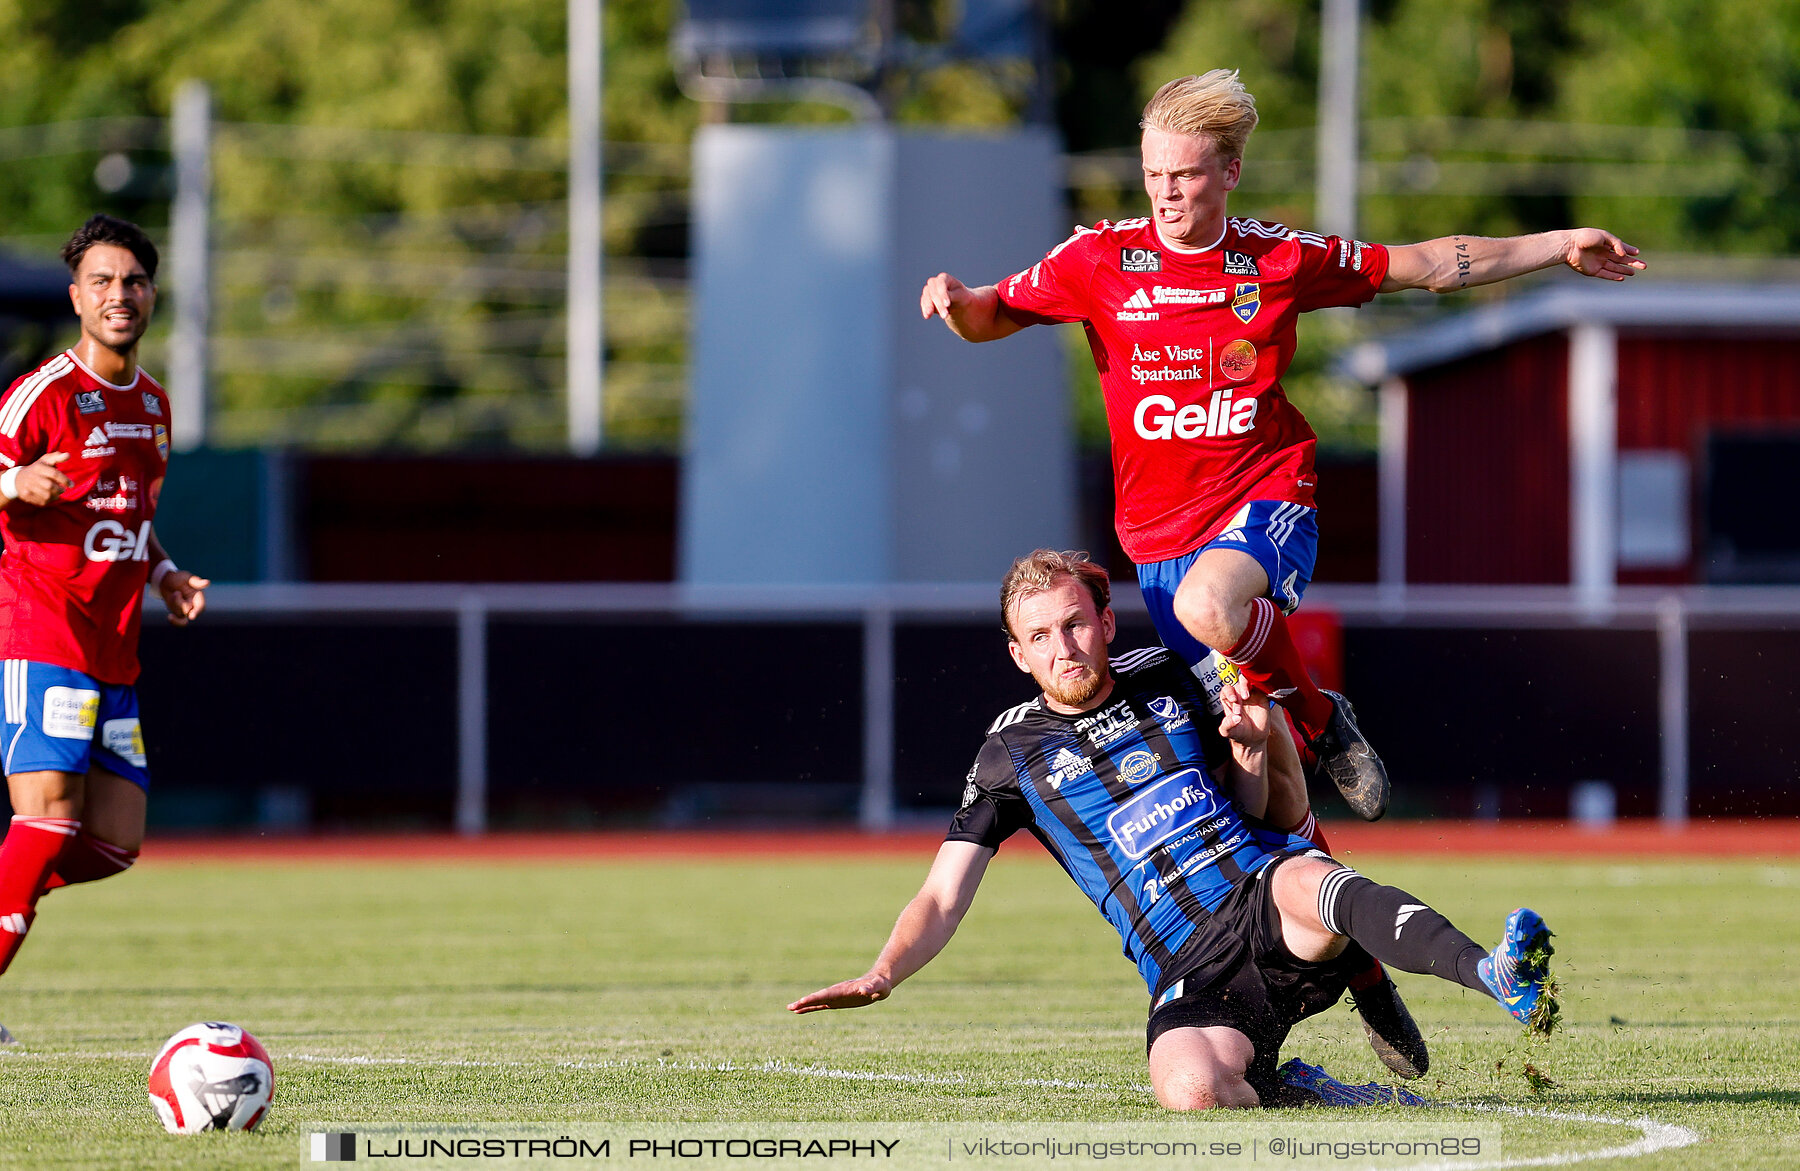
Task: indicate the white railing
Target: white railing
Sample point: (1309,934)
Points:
(1670,612)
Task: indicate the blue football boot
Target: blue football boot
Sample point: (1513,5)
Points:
(1518,972)
(1331,1092)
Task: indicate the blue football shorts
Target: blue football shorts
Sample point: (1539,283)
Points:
(1284,539)
(60,719)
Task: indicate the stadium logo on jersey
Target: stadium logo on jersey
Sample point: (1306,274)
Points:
(1140,260)
(109,540)
(1169,710)
(1066,767)
(96,444)
(90,402)
(1156,417)
(162,440)
(1168,808)
(1164,295)
(152,405)
(1237,360)
(1108,724)
(1241,264)
(1137,308)
(1138,767)
(1246,299)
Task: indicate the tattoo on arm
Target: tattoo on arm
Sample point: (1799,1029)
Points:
(1464,263)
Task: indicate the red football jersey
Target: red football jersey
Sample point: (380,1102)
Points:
(1191,346)
(72,577)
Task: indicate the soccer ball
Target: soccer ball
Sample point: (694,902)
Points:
(211,1076)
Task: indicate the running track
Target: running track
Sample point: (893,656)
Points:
(1641,840)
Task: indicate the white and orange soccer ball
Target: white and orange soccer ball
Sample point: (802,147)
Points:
(211,1076)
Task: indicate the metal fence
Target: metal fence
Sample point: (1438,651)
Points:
(1671,614)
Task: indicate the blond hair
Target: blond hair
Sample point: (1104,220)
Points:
(1214,104)
(1040,570)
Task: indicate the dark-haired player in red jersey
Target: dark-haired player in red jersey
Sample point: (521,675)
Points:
(84,443)
(1191,316)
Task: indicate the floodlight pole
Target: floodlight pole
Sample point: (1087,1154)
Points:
(1334,201)
(190,262)
(586,302)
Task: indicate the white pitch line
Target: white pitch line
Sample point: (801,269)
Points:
(1654,1136)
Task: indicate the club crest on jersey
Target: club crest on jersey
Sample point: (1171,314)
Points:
(1241,264)
(1246,299)
(152,406)
(1169,711)
(90,402)
(1140,260)
(162,441)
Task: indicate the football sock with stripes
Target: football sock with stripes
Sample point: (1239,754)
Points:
(1398,929)
(27,856)
(1308,827)
(1266,656)
(85,858)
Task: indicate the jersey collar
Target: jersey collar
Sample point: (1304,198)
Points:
(136,375)
(1182,249)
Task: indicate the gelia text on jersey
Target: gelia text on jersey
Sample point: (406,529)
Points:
(109,540)
(1157,417)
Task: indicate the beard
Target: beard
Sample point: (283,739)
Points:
(1076,692)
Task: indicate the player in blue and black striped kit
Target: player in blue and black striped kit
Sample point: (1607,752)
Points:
(1239,930)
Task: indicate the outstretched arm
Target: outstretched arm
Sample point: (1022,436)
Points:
(925,926)
(1450,263)
(974,315)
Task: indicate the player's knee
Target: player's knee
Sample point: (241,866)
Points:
(1188,1093)
(1212,1075)
(1204,614)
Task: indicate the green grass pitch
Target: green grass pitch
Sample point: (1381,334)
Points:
(611,992)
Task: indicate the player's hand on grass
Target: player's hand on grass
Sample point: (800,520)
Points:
(184,594)
(1592,252)
(41,483)
(848,994)
(1246,719)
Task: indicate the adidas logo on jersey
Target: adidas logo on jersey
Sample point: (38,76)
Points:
(1065,767)
(1137,308)
(97,444)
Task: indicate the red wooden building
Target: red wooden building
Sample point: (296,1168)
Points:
(1591,434)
